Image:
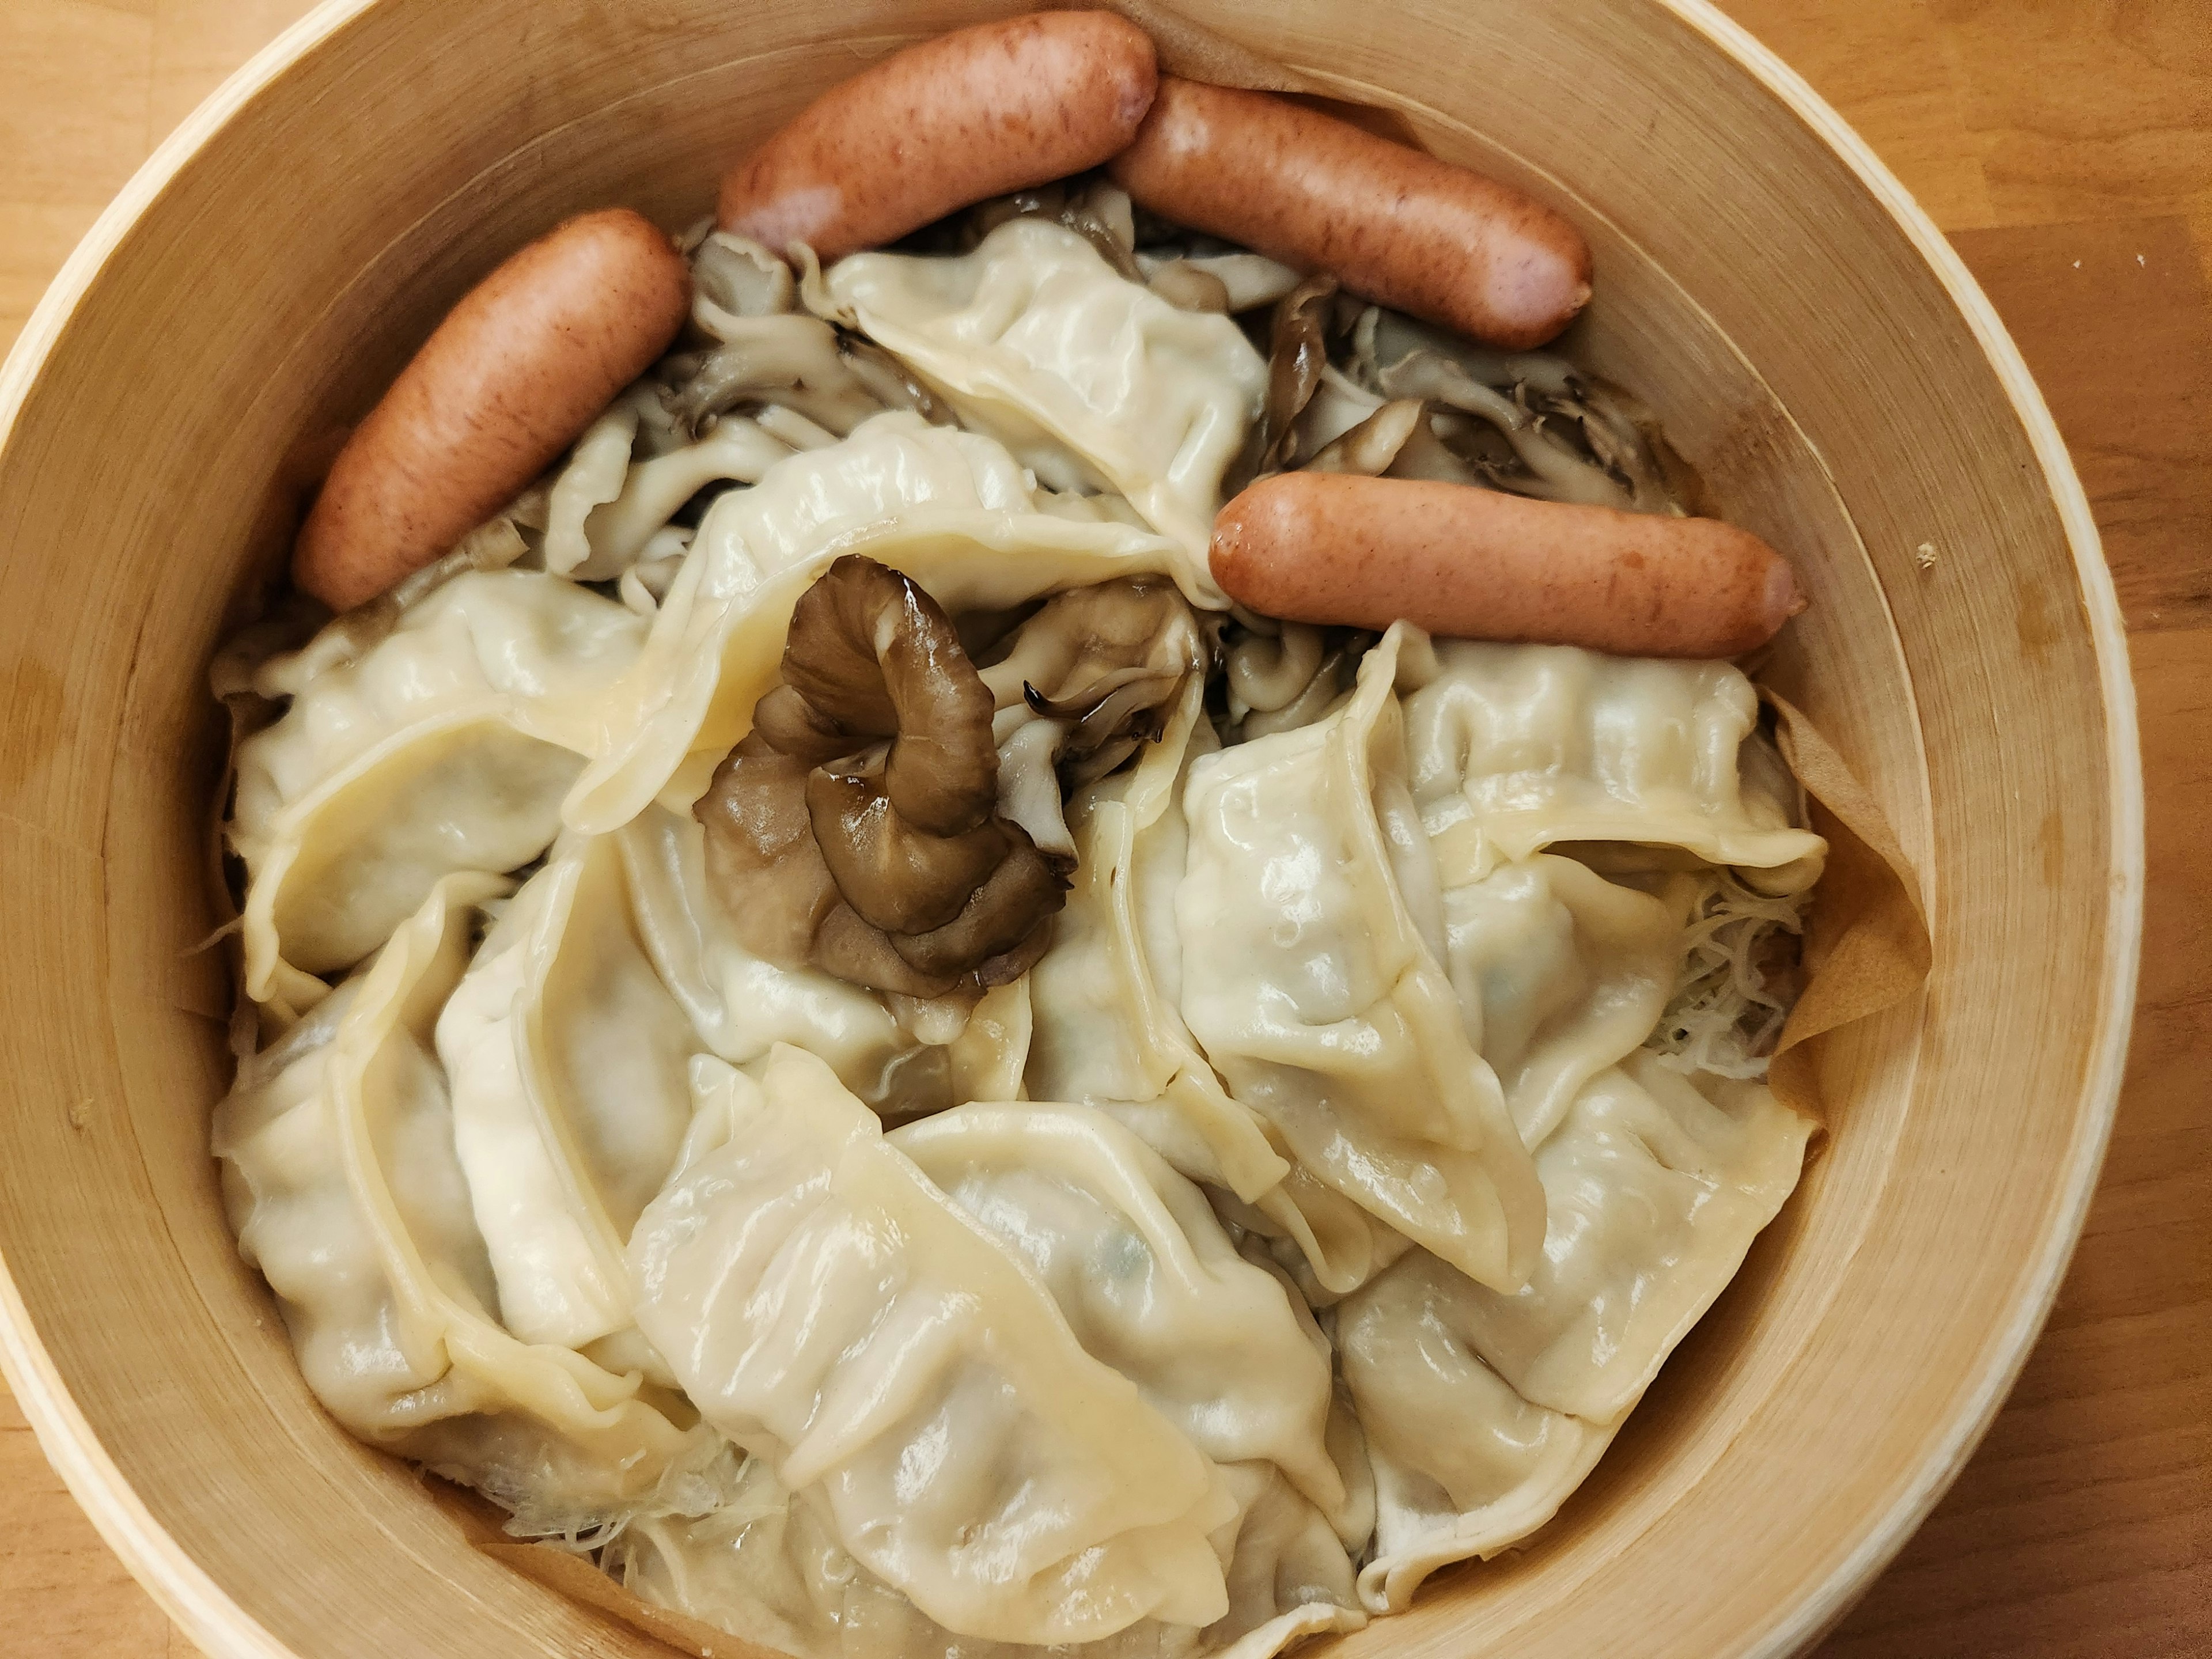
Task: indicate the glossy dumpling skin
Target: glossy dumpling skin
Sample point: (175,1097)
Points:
(1035,338)
(1104,992)
(1145,1277)
(1463,1466)
(831,1310)
(1515,747)
(1484,1411)
(1656,1184)
(342,1182)
(571,1095)
(740,1005)
(1109,1030)
(952,509)
(770,1569)
(448,745)
(567,1044)
(1560,973)
(1312,929)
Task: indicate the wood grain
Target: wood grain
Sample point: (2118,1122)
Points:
(2083,1526)
(2067,146)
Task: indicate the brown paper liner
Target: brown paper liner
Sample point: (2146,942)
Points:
(1866,940)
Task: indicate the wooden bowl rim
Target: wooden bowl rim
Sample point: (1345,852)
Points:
(214,1620)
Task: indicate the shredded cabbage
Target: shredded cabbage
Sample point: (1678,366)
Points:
(707,1480)
(1736,983)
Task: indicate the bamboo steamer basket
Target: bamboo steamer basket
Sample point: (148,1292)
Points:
(1816,348)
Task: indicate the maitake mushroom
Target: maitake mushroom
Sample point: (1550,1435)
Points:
(1083,685)
(861,828)
(1528,422)
(856,826)
(1297,353)
(1282,675)
(752,349)
(1358,389)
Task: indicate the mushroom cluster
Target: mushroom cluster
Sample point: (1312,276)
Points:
(863,826)
(753,350)
(1280,675)
(1355,388)
(1081,686)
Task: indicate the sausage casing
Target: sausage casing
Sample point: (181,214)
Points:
(969,115)
(511,378)
(1390,223)
(1472,564)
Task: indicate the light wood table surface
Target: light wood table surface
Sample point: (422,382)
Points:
(2066,148)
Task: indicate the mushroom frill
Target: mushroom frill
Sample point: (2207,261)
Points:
(1355,388)
(1081,686)
(863,826)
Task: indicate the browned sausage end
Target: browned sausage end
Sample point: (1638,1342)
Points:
(1472,564)
(510,379)
(1391,223)
(975,113)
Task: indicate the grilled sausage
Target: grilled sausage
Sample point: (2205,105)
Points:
(511,378)
(1390,223)
(969,115)
(1478,564)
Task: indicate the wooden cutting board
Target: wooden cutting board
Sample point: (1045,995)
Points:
(2066,147)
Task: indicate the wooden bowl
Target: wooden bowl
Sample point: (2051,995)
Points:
(1815,348)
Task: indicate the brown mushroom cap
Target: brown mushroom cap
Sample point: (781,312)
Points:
(1106,663)
(1298,351)
(855,828)
(875,658)
(859,826)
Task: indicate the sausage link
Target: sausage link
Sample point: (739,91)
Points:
(514,373)
(1390,223)
(1477,565)
(975,113)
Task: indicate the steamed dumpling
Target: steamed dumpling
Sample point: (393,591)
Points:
(342,1182)
(1515,747)
(952,509)
(1109,1030)
(570,1093)
(1656,1188)
(448,745)
(769,1566)
(1484,1411)
(1559,974)
(1091,379)
(1463,1466)
(832,1311)
(1311,927)
(1145,1277)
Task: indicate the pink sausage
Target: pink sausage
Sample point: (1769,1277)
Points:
(975,113)
(515,372)
(1470,563)
(1390,223)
